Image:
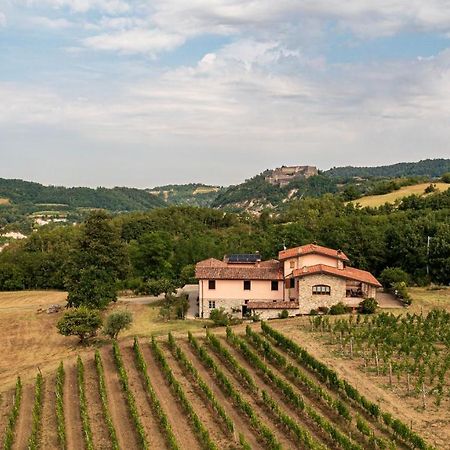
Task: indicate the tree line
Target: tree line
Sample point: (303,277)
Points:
(165,244)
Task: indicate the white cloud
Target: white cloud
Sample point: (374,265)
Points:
(53,24)
(3,21)
(82,6)
(135,41)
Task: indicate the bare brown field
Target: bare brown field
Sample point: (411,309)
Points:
(4,201)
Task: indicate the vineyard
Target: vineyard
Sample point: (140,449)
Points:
(258,390)
(412,351)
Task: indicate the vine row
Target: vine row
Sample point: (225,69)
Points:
(33,441)
(330,378)
(229,390)
(85,422)
(200,430)
(154,401)
(13,415)
(104,400)
(59,406)
(290,395)
(207,392)
(123,377)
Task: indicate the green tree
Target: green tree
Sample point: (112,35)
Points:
(368,306)
(81,322)
(97,262)
(117,322)
(151,254)
(157,287)
(11,277)
(446,177)
(392,275)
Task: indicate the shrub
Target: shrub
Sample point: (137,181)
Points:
(392,275)
(446,177)
(283,314)
(221,318)
(324,309)
(431,188)
(174,307)
(116,322)
(368,306)
(156,287)
(313,312)
(400,290)
(81,322)
(339,308)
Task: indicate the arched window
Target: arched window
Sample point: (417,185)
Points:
(321,289)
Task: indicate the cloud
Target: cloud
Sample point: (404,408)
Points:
(3,21)
(53,24)
(135,41)
(82,6)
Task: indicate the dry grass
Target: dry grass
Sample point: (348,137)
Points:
(4,201)
(30,340)
(379,200)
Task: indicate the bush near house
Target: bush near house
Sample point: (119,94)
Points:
(368,306)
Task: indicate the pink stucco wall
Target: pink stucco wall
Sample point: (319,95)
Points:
(310,260)
(234,289)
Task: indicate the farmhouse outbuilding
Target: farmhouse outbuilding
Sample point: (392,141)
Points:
(301,279)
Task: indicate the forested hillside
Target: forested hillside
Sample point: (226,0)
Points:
(165,243)
(115,199)
(192,194)
(427,168)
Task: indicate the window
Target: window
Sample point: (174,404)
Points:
(247,285)
(211,284)
(292,264)
(321,289)
(212,304)
(292,283)
(274,285)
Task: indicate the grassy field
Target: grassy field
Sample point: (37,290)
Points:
(378,200)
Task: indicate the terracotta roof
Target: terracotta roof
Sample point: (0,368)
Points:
(312,248)
(272,305)
(348,272)
(213,269)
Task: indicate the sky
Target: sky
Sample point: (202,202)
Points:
(144,93)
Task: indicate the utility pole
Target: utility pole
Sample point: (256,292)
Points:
(428,254)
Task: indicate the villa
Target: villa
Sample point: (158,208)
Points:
(301,279)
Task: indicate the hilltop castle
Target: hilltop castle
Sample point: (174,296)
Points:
(281,176)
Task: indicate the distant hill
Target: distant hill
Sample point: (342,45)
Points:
(193,194)
(428,167)
(20,192)
(257,193)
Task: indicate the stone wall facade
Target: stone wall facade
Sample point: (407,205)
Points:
(309,301)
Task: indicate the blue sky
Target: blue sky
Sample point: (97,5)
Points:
(143,93)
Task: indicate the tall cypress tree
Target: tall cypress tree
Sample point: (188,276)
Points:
(98,261)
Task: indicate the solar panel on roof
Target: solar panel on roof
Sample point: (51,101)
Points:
(244,258)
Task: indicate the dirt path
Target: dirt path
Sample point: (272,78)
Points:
(177,418)
(241,424)
(6,402)
(23,426)
(118,408)
(281,434)
(204,412)
(154,436)
(74,434)
(49,431)
(434,426)
(98,425)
